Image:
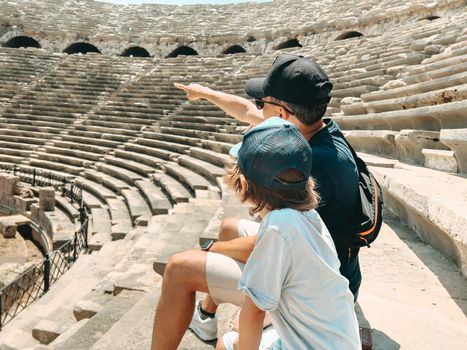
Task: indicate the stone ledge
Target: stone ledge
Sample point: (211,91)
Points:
(433,205)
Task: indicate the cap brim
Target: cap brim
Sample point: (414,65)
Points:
(235,149)
(255,87)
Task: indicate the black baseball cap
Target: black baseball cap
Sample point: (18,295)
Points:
(270,148)
(293,79)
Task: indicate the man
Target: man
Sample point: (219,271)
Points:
(297,90)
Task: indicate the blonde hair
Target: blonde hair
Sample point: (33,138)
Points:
(262,197)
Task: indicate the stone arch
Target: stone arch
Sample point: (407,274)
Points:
(233,50)
(182,51)
(349,35)
(431,18)
(22,41)
(81,47)
(136,51)
(288,44)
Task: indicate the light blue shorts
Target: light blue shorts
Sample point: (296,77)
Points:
(269,341)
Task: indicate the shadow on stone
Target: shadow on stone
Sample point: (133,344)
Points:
(453,282)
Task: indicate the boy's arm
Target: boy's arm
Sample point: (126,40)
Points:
(251,325)
(238,249)
(238,107)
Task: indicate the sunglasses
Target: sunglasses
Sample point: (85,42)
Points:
(260,104)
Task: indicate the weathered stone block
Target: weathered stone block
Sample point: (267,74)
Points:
(46,331)
(440,160)
(47,199)
(8,184)
(7,228)
(86,309)
(24,204)
(35,212)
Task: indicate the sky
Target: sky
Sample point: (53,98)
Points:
(179,2)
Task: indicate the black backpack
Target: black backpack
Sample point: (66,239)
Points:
(367,227)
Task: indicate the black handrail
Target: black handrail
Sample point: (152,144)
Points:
(36,281)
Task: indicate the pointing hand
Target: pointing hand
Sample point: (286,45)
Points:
(193,91)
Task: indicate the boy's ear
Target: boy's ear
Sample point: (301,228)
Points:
(243,183)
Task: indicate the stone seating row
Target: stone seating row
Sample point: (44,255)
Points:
(444,116)
(456,92)
(434,212)
(118,269)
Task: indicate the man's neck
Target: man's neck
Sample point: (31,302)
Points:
(308,131)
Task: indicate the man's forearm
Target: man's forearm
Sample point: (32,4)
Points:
(238,249)
(238,107)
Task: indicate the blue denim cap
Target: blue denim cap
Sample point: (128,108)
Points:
(270,148)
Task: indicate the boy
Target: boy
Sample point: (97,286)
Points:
(293,271)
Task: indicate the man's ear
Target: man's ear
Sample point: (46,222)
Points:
(284,113)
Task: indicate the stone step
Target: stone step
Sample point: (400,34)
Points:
(157,200)
(112,183)
(95,188)
(80,139)
(441,160)
(101,228)
(15,145)
(205,169)
(174,135)
(134,166)
(11,159)
(443,116)
(63,159)
(65,168)
(410,194)
(147,163)
(15,152)
(93,329)
(413,89)
(139,209)
(456,140)
(377,142)
(121,219)
(64,204)
(186,176)
(217,146)
(210,156)
(169,146)
(128,176)
(174,189)
(410,145)
(415,75)
(457,93)
(151,151)
(73,153)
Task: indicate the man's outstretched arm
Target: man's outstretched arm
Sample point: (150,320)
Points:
(238,107)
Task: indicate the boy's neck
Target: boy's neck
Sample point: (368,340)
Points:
(264,212)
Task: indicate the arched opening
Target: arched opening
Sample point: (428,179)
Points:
(82,48)
(136,51)
(251,39)
(234,49)
(182,51)
(430,18)
(349,35)
(288,44)
(22,41)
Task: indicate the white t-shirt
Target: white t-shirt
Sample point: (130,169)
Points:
(293,272)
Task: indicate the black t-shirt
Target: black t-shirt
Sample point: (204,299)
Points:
(336,177)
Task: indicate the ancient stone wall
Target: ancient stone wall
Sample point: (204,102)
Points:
(210,30)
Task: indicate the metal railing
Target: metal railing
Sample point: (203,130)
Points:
(36,281)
